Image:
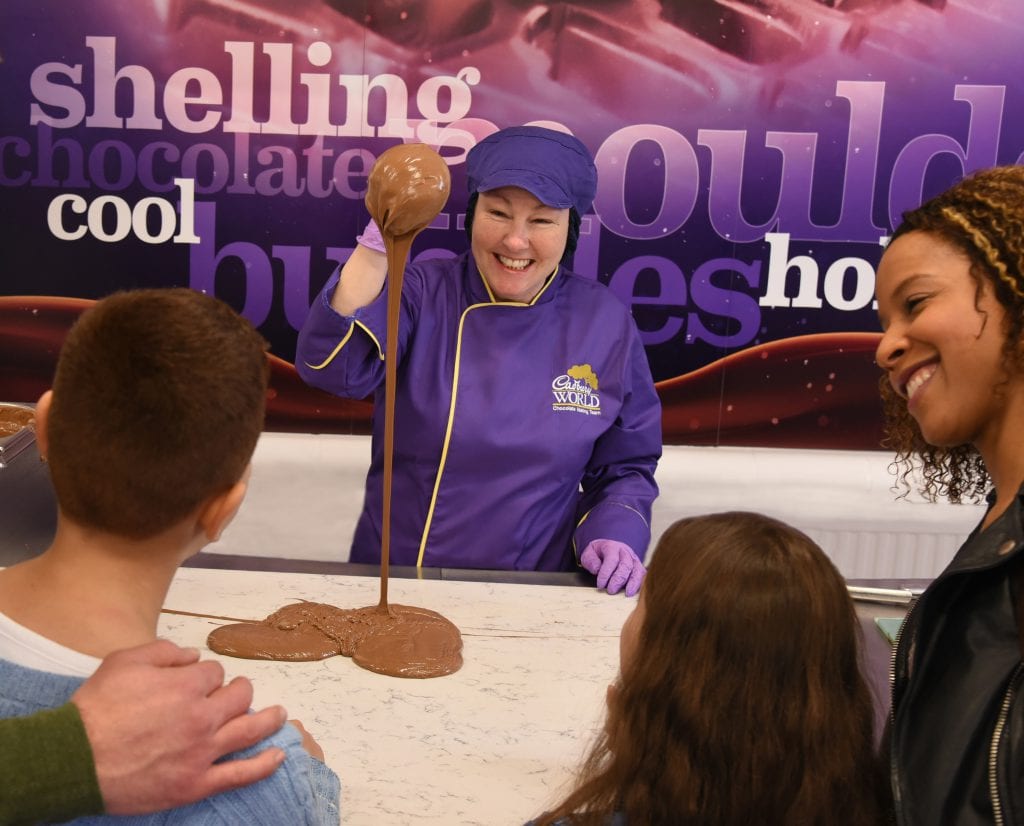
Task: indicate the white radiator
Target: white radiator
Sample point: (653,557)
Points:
(888,554)
(842,499)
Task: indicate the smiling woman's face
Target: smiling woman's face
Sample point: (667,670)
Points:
(517,242)
(942,348)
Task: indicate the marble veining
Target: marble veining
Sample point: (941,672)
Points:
(493,743)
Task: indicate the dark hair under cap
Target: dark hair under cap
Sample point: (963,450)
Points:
(555,167)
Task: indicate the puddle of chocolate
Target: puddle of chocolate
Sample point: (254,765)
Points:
(407,188)
(401,642)
(13,418)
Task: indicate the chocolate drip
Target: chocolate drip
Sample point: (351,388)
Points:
(407,188)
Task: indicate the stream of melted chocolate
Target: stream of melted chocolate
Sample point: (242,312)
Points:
(407,188)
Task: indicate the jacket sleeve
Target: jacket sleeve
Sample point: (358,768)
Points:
(303,791)
(47,768)
(344,355)
(618,486)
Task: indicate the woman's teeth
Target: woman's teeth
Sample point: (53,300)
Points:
(918,379)
(514,263)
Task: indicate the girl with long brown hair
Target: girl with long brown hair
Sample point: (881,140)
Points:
(740,698)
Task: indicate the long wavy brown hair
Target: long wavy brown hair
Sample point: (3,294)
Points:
(744,701)
(982,217)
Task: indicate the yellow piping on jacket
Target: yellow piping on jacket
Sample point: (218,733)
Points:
(455,392)
(343,342)
(447,432)
(583,519)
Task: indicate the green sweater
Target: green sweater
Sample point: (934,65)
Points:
(46,768)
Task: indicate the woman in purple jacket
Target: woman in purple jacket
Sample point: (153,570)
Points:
(527,424)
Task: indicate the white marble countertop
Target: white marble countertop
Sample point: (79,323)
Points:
(493,743)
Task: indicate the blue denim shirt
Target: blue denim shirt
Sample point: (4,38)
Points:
(303,791)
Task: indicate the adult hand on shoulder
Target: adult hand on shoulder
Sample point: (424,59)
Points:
(616,565)
(158,719)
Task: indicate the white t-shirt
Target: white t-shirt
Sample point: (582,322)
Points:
(24,647)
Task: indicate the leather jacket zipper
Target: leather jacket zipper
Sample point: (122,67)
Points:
(892,709)
(993,752)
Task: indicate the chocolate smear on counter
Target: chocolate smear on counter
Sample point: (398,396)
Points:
(13,418)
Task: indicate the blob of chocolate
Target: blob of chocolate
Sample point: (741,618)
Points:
(408,186)
(401,641)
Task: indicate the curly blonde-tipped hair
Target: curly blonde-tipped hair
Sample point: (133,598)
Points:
(983,217)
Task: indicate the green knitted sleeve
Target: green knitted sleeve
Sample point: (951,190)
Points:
(46,768)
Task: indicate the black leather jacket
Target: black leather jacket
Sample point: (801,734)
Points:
(957,731)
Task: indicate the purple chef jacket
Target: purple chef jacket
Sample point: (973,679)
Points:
(522,431)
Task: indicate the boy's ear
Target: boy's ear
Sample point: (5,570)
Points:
(42,420)
(221,508)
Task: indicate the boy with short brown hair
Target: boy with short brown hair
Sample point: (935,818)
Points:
(156,407)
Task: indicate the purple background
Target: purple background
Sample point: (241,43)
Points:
(713,126)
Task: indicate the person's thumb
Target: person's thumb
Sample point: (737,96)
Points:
(157,653)
(590,559)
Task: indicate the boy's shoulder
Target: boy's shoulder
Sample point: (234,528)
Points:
(25,690)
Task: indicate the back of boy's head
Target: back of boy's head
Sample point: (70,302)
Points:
(158,401)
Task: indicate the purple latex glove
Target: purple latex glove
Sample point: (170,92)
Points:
(616,565)
(371,237)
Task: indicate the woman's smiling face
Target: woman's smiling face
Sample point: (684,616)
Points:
(942,348)
(517,242)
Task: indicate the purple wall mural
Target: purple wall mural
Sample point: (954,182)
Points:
(752,155)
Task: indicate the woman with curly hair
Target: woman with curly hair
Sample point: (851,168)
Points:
(951,301)
(740,698)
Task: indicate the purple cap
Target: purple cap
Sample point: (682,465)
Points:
(554,166)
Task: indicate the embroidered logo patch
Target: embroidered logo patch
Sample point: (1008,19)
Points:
(576,390)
